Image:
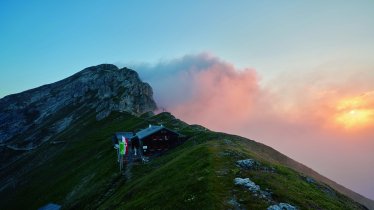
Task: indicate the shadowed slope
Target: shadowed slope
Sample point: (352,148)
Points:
(82,173)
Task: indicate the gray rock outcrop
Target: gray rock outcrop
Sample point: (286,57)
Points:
(33,116)
(247,163)
(253,187)
(251,164)
(247,183)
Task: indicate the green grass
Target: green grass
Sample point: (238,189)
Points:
(83,173)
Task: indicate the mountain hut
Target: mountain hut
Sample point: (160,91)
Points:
(155,139)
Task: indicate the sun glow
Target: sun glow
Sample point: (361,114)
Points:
(355,118)
(354,113)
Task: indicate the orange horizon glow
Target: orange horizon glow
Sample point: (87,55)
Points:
(354,114)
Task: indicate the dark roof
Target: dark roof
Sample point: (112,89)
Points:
(151,130)
(127,135)
(50,206)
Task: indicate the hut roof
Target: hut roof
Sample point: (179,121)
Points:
(151,130)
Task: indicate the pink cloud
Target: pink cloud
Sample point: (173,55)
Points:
(222,98)
(296,113)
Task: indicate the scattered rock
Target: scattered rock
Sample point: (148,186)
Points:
(265,194)
(145,159)
(256,190)
(235,204)
(324,188)
(222,172)
(328,190)
(269,169)
(310,180)
(190,198)
(251,164)
(200,178)
(229,153)
(247,164)
(247,183)
(227,141)
(224,154)
(282,206)
(253,187)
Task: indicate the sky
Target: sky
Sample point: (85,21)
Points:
(295,75)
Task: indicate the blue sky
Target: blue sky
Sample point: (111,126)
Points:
(44,41)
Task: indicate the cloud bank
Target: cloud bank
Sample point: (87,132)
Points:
(323,117)
(204,89)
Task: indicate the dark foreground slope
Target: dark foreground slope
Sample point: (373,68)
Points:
(81,172)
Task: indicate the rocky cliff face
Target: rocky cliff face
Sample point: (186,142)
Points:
(33,116)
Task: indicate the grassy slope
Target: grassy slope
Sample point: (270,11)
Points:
(83,173)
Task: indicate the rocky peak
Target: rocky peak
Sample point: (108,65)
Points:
(99,89)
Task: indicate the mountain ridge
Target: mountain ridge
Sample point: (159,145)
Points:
(82,162)
(103,88)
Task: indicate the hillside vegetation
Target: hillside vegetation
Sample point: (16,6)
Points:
(79,170)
